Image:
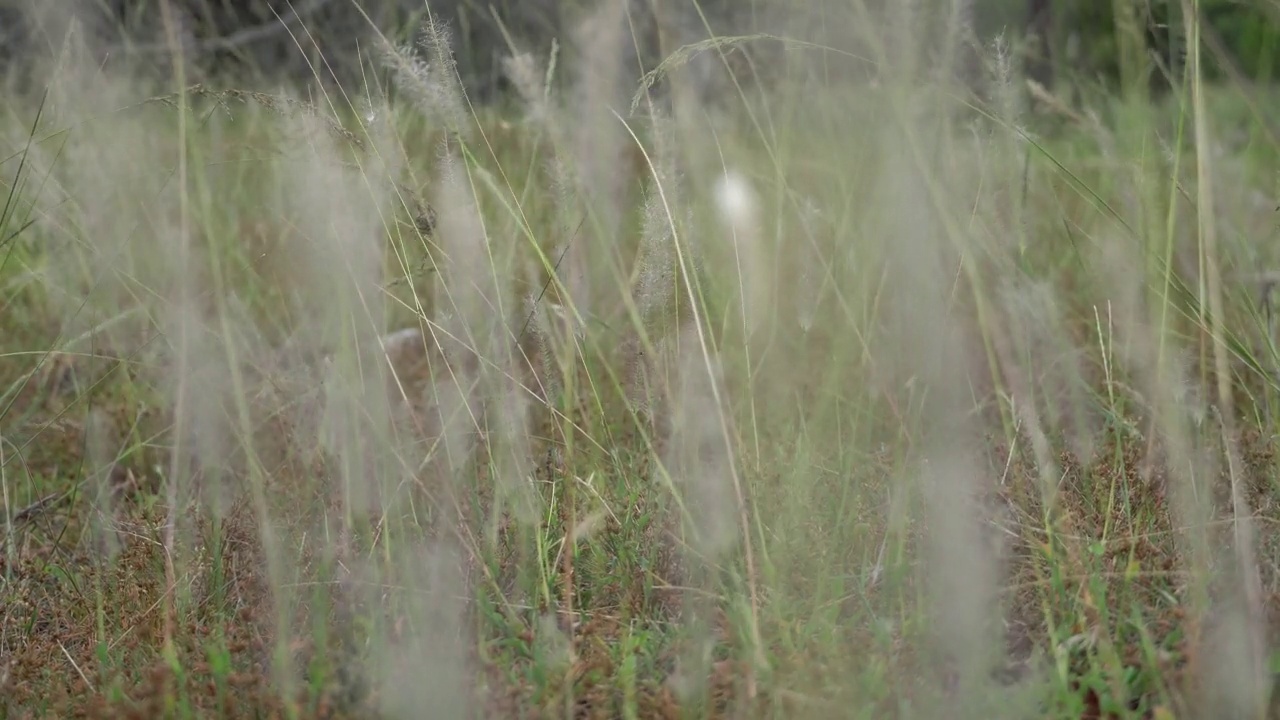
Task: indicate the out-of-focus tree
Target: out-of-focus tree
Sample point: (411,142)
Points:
(1140,44)
(1120,43)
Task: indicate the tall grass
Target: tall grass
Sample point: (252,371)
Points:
(829,398)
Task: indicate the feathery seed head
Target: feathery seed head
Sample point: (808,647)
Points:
(735,200)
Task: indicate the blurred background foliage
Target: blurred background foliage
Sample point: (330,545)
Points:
(1110,43)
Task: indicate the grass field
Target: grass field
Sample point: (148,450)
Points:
(826,400)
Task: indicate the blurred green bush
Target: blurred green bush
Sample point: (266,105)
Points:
(1085,40)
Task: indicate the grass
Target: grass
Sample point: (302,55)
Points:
(831,399)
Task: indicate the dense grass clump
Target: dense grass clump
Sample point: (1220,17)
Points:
(806,396)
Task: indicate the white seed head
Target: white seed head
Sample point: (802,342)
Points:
(735,199)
